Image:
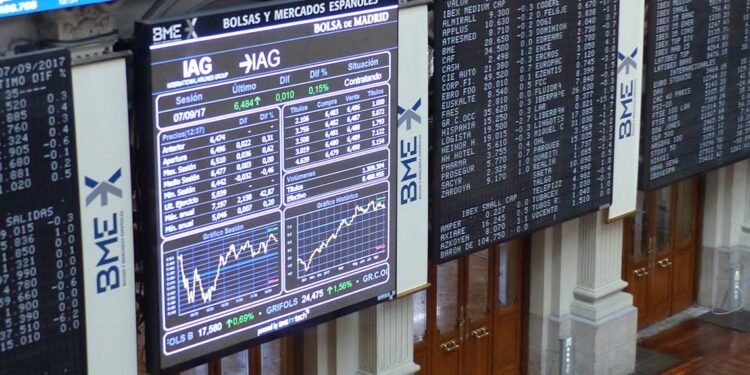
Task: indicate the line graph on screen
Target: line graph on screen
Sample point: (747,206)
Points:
(222,270)
(341,234)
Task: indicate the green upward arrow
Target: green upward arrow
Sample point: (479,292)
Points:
(330,289)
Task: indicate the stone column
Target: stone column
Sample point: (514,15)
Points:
(604,321)
(386,341)
(319,349)
(726,234)
(552,278)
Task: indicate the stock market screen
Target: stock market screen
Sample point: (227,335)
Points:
(697,107)
(524,107)
(41,275)
(18,7)
(270,142)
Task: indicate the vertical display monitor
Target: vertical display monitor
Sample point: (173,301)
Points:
(10,8)
(270,138)
(697,107)
(524,112)
(41,276)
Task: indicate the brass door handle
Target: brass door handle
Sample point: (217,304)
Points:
(450,346)
(640,272)
(480,333)
(664,263)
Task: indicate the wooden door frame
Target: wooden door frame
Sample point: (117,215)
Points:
(628,266)
(431,334)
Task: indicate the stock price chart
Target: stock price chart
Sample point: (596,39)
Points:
(41,273)
(524,107)
(270,134)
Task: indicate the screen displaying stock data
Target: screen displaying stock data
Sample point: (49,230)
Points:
(17,7)
(41,275)
(524,108)
(273,154)
(697,107)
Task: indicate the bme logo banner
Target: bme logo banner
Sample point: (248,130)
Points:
(106,224)
(106,212)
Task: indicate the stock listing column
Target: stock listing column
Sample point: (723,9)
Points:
(459,93)
(497,116)
(544,110)
(41,289)
(594,71)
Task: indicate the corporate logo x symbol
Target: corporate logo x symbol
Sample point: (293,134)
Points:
(190,28)
(407,116)
(627,62)
(103,189)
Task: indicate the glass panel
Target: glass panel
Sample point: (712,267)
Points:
(447,296)
(479,264)
(200,370)
(508,271)
(663,216)
(420,316)
(685,209)
(270,358)
(234,364)
(639,240)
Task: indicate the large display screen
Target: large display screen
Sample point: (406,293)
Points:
(270,142)
(524,109)
(41,276)
(697,107)
(17,7)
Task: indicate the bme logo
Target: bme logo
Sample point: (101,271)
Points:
(175,31)
(627,93)
(409,153)
(106,231)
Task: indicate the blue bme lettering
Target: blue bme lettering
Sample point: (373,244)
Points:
(106,235)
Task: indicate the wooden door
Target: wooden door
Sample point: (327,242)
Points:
(687,213)
(448,319)
(477,356)
(469,322)
(659,251)
(658,229)
(507,301)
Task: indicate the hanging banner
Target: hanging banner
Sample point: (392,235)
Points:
(413,147)
(101,110)
(627,132)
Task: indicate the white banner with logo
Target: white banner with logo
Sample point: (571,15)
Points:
(413,118)
(628,115)
(102,136)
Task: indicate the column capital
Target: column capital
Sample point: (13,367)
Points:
(87,30)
